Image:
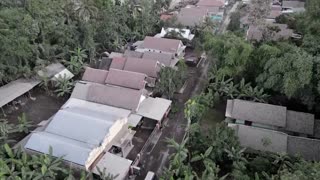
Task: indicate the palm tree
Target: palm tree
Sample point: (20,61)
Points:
(86,10)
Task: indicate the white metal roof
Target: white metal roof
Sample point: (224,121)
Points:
(87,128)
(154,108)
(15,89)
(134,119)
(99,108)
(114,165)
(80,127)
(70,149)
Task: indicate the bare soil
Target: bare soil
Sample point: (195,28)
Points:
(39,107)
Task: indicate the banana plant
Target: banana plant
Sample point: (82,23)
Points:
(24,124)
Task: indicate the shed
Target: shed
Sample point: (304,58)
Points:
(300,122)
(257,112)
(261,139)
(55,71)
(154,108)
(15,89)
(114,165)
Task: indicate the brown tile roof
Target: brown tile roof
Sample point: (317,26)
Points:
(118,63)
(165,17)
(274,13)
(191,16)
(146,66)
(215,3)
(161,44)
(135,54)
(115,96)
(126,79)
(163,58)
(254,32)
(95,75)
(276,7)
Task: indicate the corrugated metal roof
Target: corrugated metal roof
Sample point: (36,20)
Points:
(261,139)
(69,149)
(99,109)
(89,129)
(154,108)
(300,122)
(114,165)
(15,89)
(257,112)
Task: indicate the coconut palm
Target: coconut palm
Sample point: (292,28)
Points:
(86,10)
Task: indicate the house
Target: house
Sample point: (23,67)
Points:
(273,128)
(13,90)
(293,6)
(191,16)
(98,127)
(274,13)
(162,45)
(135,54)
(110,95)
(255,138)
(149,67)
(181,33)
(165,59)
(212,3)
(270,117)
(278,31)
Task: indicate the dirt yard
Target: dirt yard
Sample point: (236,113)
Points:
(39,107)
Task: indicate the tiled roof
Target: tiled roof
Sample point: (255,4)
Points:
(126,79)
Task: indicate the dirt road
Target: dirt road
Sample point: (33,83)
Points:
(156,158)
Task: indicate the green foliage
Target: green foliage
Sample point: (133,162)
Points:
(234,24)
(232,53)
(226,88)
(171,80)
(24,124)
(63,86)
(75,64)
(5,130)
(289,73)
(16,164)
(197,106)
(34,33)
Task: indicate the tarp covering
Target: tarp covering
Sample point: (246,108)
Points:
(15,89)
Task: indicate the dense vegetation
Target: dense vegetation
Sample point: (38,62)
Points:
(281,72)
(36,32)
